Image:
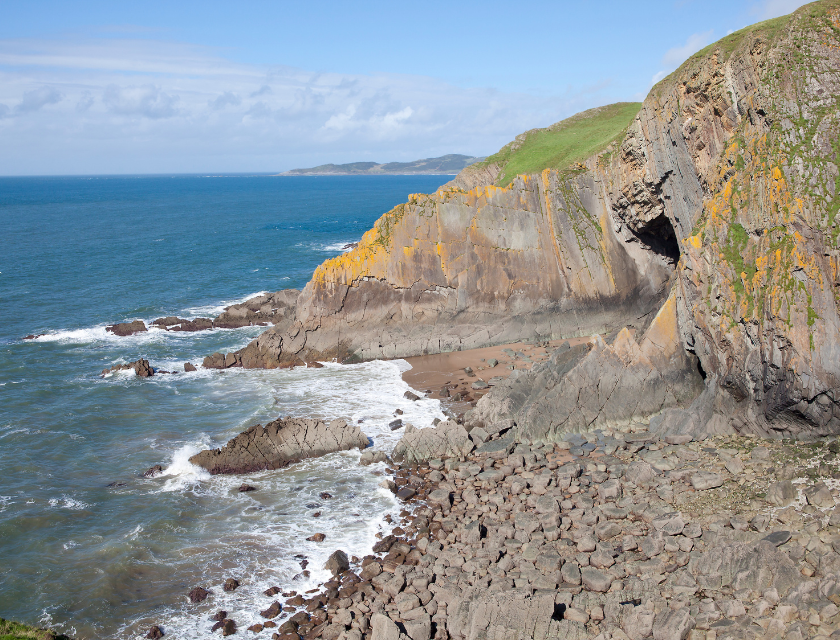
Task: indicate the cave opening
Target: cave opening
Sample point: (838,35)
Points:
(660,237)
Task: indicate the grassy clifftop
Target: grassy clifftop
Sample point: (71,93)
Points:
(562,144)
(15,631)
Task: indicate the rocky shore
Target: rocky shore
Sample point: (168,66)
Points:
(606,535)
(279,444)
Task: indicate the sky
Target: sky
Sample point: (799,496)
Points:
(104,87)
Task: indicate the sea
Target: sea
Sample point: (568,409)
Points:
(90,547)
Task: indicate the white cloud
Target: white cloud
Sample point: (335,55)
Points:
(775,8)
(192,110)
(675,56)
(36,99)
(147,101)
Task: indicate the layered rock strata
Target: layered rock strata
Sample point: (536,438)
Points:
(727,178)
(280,443)
(605,535)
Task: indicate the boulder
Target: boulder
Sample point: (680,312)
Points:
(188,367)
(447,439)
(781,493)
(279,444)
(198,594)
(231,584)
(155,633)
(151,472)
(127,328)
(337,563)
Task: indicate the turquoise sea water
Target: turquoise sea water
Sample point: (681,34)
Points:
(86,543)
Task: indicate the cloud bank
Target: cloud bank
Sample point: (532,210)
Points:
(124,106)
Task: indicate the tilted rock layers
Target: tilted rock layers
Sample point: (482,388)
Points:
(461,269)
(722,197)
(279,444)
(739,151)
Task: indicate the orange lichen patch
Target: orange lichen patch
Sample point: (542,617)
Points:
(695,241)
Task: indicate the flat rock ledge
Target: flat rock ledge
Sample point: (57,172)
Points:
(280,443)
(607,536)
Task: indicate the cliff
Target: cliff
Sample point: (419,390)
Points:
(717,195)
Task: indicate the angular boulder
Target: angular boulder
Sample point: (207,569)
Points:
(279,444)
(447,439)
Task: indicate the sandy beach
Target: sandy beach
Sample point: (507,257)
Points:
(445,375)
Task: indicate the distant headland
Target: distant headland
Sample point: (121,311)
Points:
(448,164)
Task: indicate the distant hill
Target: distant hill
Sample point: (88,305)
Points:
(451,163)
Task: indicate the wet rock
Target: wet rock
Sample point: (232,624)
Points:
(325,496)
(154,633)
(127,328)
(409,395)
(337,563)
(370,456)
(272,591)
(279,444)
(406,493)
(318,537)
(395,424)
(228,627)
(151,472)
(219,615)
(243,488)
(256,628)
(231,584)
(273,610)
(141,368)
(188,367)
(198,594)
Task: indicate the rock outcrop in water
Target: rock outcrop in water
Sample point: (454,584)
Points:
(279,444)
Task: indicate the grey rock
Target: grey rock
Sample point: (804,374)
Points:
(781,493)
(448,439)
(706,480)
(279,444)
(595,580)
(778,538)
(337,563)
(383,628)
(669,523)
(672,625)
(819,496)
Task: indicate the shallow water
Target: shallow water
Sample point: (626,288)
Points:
(106,561)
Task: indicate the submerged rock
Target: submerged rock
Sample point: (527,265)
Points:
(198,594)
(279,444)
(127,328)
(141,368)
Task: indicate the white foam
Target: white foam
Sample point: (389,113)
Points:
(183,473)
(66,502)
(339,246)
(216,309)
(5,501)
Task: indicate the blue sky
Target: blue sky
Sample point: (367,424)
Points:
(160,87)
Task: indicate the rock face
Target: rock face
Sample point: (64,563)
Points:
(279,444)
(624,381)
(270,308)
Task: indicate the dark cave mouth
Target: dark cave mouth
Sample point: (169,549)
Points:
(659,236)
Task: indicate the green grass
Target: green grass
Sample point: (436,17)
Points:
(15,631)
(564,143)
